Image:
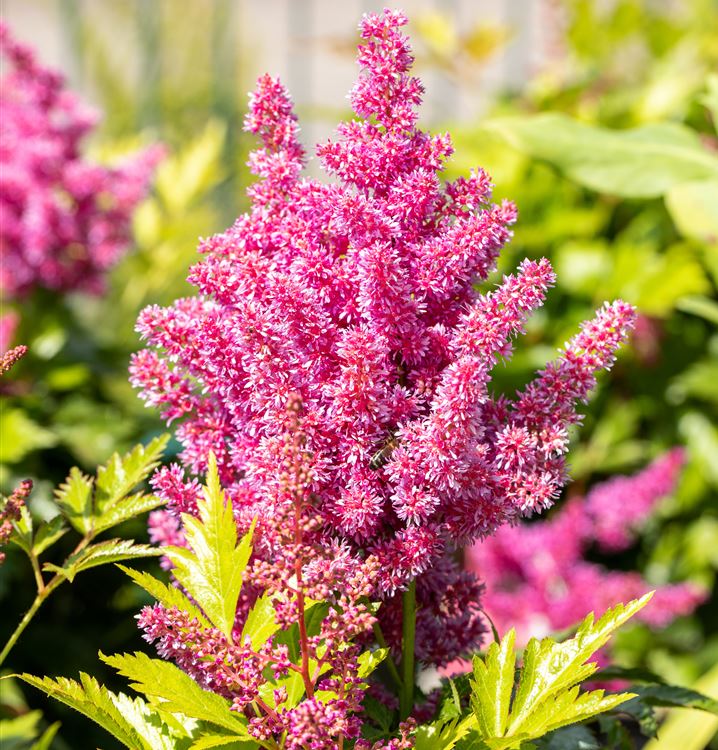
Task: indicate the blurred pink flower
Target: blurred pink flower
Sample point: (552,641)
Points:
(64,221)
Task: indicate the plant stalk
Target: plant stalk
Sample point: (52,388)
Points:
(12,640)
(406,697)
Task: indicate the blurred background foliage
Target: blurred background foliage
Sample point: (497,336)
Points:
(610,152)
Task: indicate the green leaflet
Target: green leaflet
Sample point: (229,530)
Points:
(644,162)
(168,596)
(75,500)
(547,695)
(178,691)
(123,510)
(112,550)
(92,506)
(211,568)
(510,712)
(120,474)
(48,533)
(260,624)
(133,722)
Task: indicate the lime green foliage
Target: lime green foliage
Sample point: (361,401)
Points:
(508,710)
(90,506)
(133,722)
(655,160)
(210,568)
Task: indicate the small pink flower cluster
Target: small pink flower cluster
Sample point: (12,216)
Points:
(360,295)
(63,220)
(296,570)
(538,578)
(11,510)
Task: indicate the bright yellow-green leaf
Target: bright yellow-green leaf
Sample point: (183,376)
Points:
(74,498)
(102,553)
(212,565)
(133,722)
(168,596)
(179,692)
(548,694)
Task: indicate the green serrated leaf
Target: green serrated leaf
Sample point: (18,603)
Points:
(228,742)
(674,696)
(212,565)
(178,691)
(370,660)
(132,722)
(260,624)
(23,531)
(125,509)
(120,475)
(492,686)
(74,499)
(102,553)
(547,696)
(47,534)
(168,596)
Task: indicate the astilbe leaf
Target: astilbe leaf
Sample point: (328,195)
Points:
(74,498)
(167,595)
(95,505)
(547,694)
(122,473)
(156,678)
(102,553)
(133,722)
(125,509)
(47,534)
(211,567)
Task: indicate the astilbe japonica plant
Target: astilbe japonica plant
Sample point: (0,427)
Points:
(64,220)
(332,380)
(359,296)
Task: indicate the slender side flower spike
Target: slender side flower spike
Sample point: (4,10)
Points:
(11,510)
(360,295)
(8,360)
(63,220)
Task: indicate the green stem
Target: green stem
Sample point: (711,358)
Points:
(406,697)
(12,640)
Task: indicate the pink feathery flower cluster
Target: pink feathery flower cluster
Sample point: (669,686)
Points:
(63,220)
(360,295)
(539,580)
(11,511)
(296,570)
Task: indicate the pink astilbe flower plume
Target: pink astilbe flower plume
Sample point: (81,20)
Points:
(64,221)
(538,579)
(359,295)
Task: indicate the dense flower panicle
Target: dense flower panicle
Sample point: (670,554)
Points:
(538,579)
(360,296)
(11,510)
(63,220)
